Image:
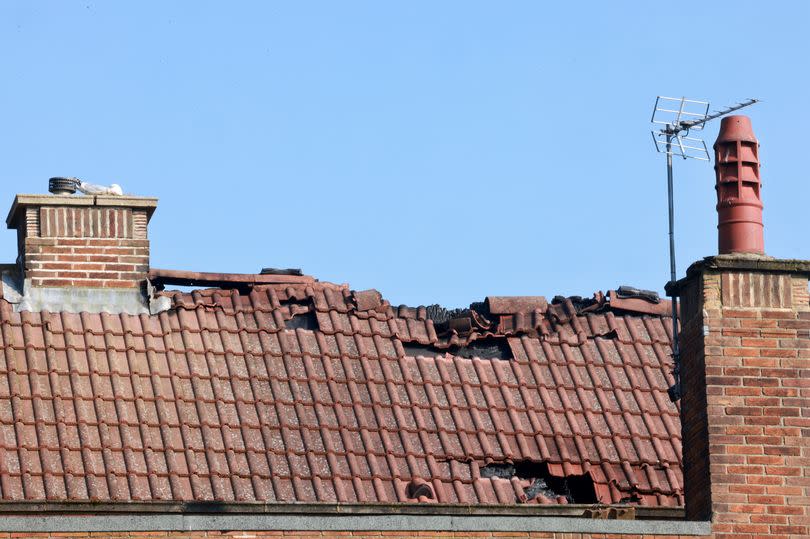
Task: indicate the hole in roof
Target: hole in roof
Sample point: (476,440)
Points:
(303,302)
(578,302)
(488,348)
(413,349)
(184,289)
(301,312)
(611,334)
(574,488)
(501,470)
(242,288)
(306,320)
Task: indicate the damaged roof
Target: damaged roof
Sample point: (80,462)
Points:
(305,391)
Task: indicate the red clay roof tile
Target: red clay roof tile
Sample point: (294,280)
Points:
(226,397)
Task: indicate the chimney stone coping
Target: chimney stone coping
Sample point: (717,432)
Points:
(23,201)
(740,261)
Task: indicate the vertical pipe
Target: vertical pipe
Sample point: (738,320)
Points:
(675,391)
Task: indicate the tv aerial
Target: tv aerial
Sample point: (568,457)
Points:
(674,119)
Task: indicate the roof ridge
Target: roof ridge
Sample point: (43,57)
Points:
(162,277)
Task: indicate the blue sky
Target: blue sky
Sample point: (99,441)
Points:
(436,151)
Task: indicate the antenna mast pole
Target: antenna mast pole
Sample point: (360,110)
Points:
(673,275)
(673,139)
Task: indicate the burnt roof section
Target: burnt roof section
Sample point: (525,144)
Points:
(309,392)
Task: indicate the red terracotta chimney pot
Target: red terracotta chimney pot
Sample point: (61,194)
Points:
(739,202)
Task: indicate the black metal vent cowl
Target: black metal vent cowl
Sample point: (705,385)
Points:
(282,271)
(62,186)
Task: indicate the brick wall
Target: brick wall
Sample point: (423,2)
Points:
(82,243)
(86,262)
(745,349)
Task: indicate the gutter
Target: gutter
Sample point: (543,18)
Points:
(198,516)
(214,507)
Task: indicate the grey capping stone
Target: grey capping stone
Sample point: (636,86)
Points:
(303,522)
(76,300)
(21,201)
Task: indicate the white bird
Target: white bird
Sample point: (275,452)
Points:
(93,189)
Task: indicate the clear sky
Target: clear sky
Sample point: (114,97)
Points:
(436,151)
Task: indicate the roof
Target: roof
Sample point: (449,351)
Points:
(304,391)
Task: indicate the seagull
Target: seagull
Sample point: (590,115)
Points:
(93,189)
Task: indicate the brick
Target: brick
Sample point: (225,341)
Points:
(780,391)
(120,267)
(55,250)
(740,313)
(762,401)
(794,324)
(741,371)
(779,353)
(73,242)
(759,323)
(752,528)
(737,332)
(778,313)
(750,430)
(37,242)
(52,282)
(760,382)
(760,361)
(769,519)
(785,490)
(747,411)
(801,531)
(750,508)
(723,380)
(742,391)
(102,275)
(778,333)
(766,499)
(760,343)
(747,489)
(783,470)
(738,352)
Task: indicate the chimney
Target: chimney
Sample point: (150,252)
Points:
(80,241)
(739,203)
(745,361)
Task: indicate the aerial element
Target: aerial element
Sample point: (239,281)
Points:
(673,139)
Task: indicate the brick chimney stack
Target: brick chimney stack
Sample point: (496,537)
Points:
(745,411)
(80,241)
(745,366)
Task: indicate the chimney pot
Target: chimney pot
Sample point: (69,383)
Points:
(739,202)
(62,186)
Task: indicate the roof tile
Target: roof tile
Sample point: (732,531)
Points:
(215,399)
